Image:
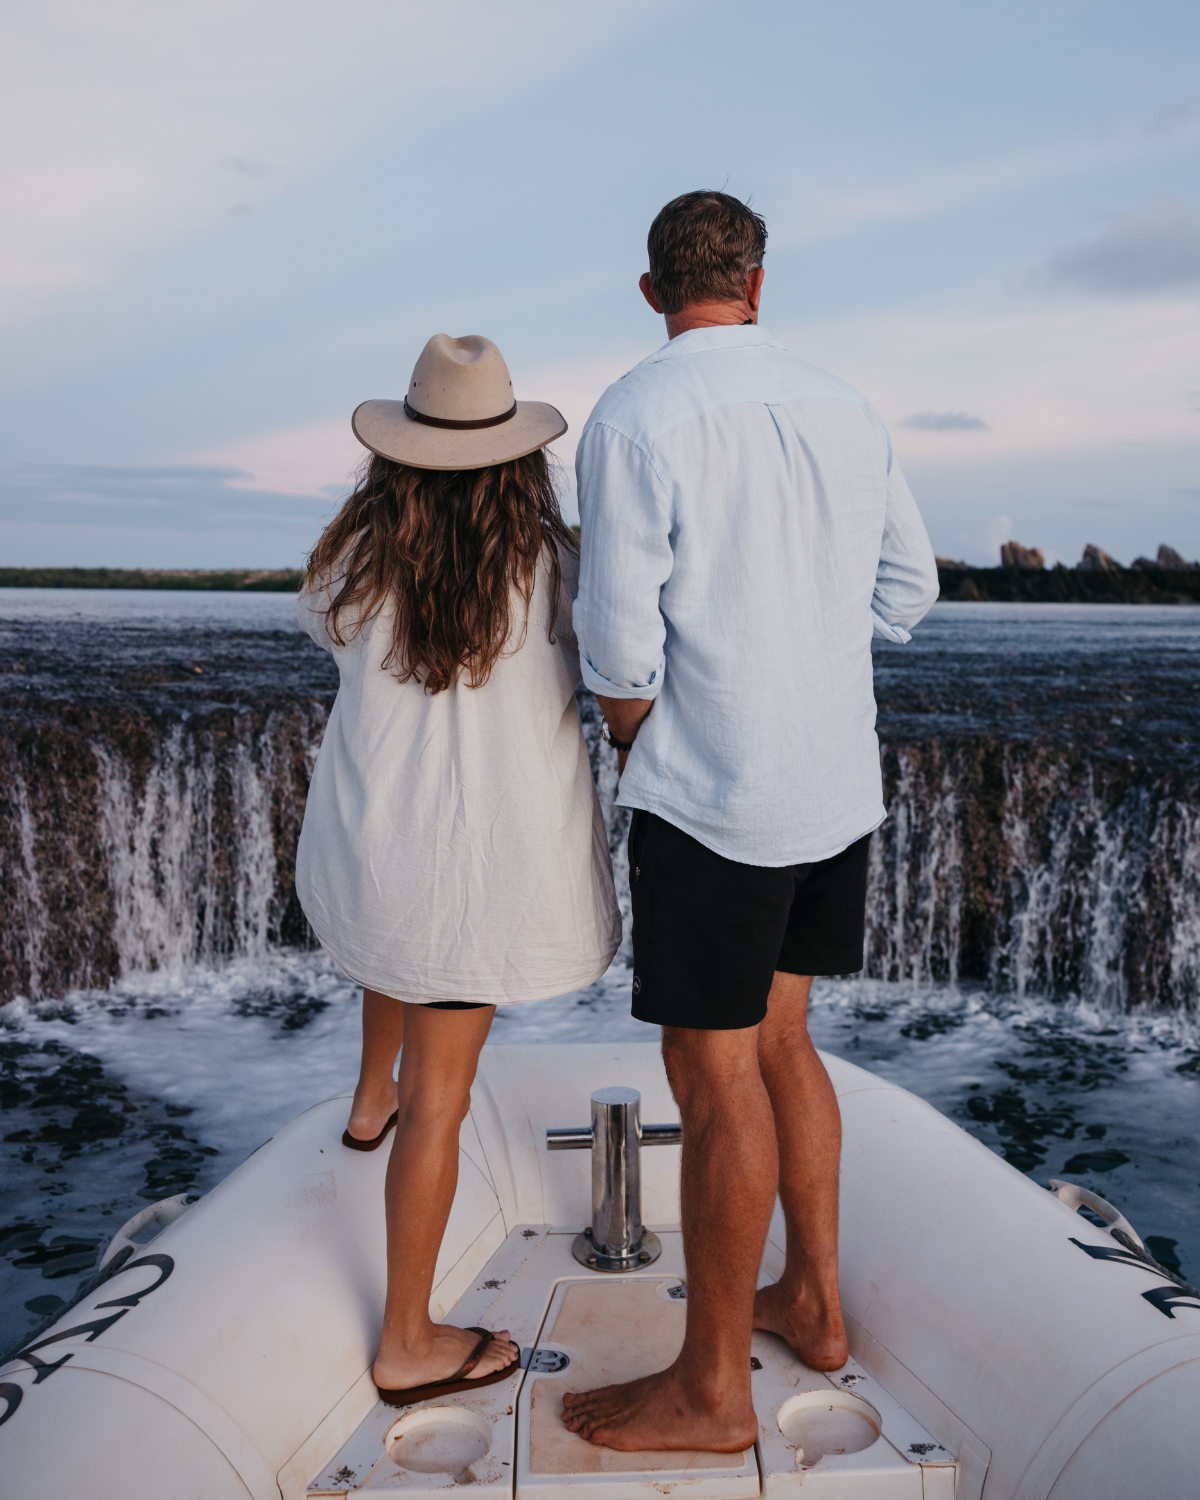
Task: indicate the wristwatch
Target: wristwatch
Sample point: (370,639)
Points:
(610,738)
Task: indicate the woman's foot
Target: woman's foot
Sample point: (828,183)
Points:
(441,1358)
(371,1110)
(376,1094)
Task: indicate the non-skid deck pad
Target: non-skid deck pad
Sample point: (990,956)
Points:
(614,1331)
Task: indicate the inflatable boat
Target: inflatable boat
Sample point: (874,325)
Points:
(1003,1346)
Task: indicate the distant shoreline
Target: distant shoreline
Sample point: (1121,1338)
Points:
(227,581)
(1144,585)
(958,584)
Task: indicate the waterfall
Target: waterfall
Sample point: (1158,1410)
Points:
(1039,869)
(132,840)
(136,844)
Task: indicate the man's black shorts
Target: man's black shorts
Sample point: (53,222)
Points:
(709,933)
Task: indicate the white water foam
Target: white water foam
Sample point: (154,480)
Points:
(249,1044)
(234,1051)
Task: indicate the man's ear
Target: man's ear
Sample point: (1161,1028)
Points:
(754,283)
(648,292)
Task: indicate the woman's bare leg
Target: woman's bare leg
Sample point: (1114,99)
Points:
(375,1095)
(437,1068)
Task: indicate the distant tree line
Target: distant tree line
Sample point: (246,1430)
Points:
(1096,578)
(232,580)
(1022,576)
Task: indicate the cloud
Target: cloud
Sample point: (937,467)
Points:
(1154,249)
(945,421)
(825,210)
(318,460)
(1173,117)
(574,386)
(143,111)
(1063,379)
(179,497)
(245,167)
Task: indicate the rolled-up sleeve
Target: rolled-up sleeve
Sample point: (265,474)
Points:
(626,557)
(906,580)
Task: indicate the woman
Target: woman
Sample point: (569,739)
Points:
(453,856)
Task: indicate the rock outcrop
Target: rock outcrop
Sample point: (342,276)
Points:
(1170,561)
(1096,560)
(1024,559)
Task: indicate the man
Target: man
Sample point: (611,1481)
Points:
(746,529)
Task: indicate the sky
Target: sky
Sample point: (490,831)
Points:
(226,224)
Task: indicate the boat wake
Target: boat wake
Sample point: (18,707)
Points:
(164,1082)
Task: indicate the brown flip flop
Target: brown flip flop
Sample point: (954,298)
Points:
(377,1140)
(456,1382)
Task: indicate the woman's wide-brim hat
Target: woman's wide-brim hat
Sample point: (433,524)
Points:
(460,412)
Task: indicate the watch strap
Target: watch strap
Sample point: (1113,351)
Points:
(624,746)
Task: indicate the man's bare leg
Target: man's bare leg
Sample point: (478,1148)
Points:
(375,1095)
(803,1307)
(727,1192)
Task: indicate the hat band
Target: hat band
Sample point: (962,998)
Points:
(419,416)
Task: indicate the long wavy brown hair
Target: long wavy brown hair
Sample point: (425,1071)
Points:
(447,548)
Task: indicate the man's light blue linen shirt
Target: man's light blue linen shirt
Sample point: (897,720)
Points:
(746,529)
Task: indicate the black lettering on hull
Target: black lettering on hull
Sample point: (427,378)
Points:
(165,1266)
(12,1394)
(1177,1292)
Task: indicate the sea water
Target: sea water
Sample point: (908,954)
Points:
(163,1080)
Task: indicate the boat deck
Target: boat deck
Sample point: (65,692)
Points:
(839,1435)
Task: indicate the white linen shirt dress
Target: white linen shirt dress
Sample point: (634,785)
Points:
(453,846)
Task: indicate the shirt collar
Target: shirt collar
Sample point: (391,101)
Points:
(704,340)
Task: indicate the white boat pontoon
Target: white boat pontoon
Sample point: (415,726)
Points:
(1004,1348)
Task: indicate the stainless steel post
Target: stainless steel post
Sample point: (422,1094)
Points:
(616,1173)
(616,1239)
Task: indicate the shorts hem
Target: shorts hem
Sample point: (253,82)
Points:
(692,1024)
(825,968)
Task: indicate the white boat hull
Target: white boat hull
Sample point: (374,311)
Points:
(231,1356)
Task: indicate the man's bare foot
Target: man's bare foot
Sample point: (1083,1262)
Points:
(815,1333)
(370,1112)
(658,1413)
(445,1353)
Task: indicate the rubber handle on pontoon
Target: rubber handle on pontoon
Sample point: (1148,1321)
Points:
(1077,1197)
(165,1211)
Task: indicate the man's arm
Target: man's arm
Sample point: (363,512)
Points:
(626,558)
(906,580)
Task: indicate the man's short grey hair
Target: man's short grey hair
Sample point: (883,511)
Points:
(702,247)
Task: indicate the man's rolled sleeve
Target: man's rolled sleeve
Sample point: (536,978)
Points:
(906,580)
(626,557)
